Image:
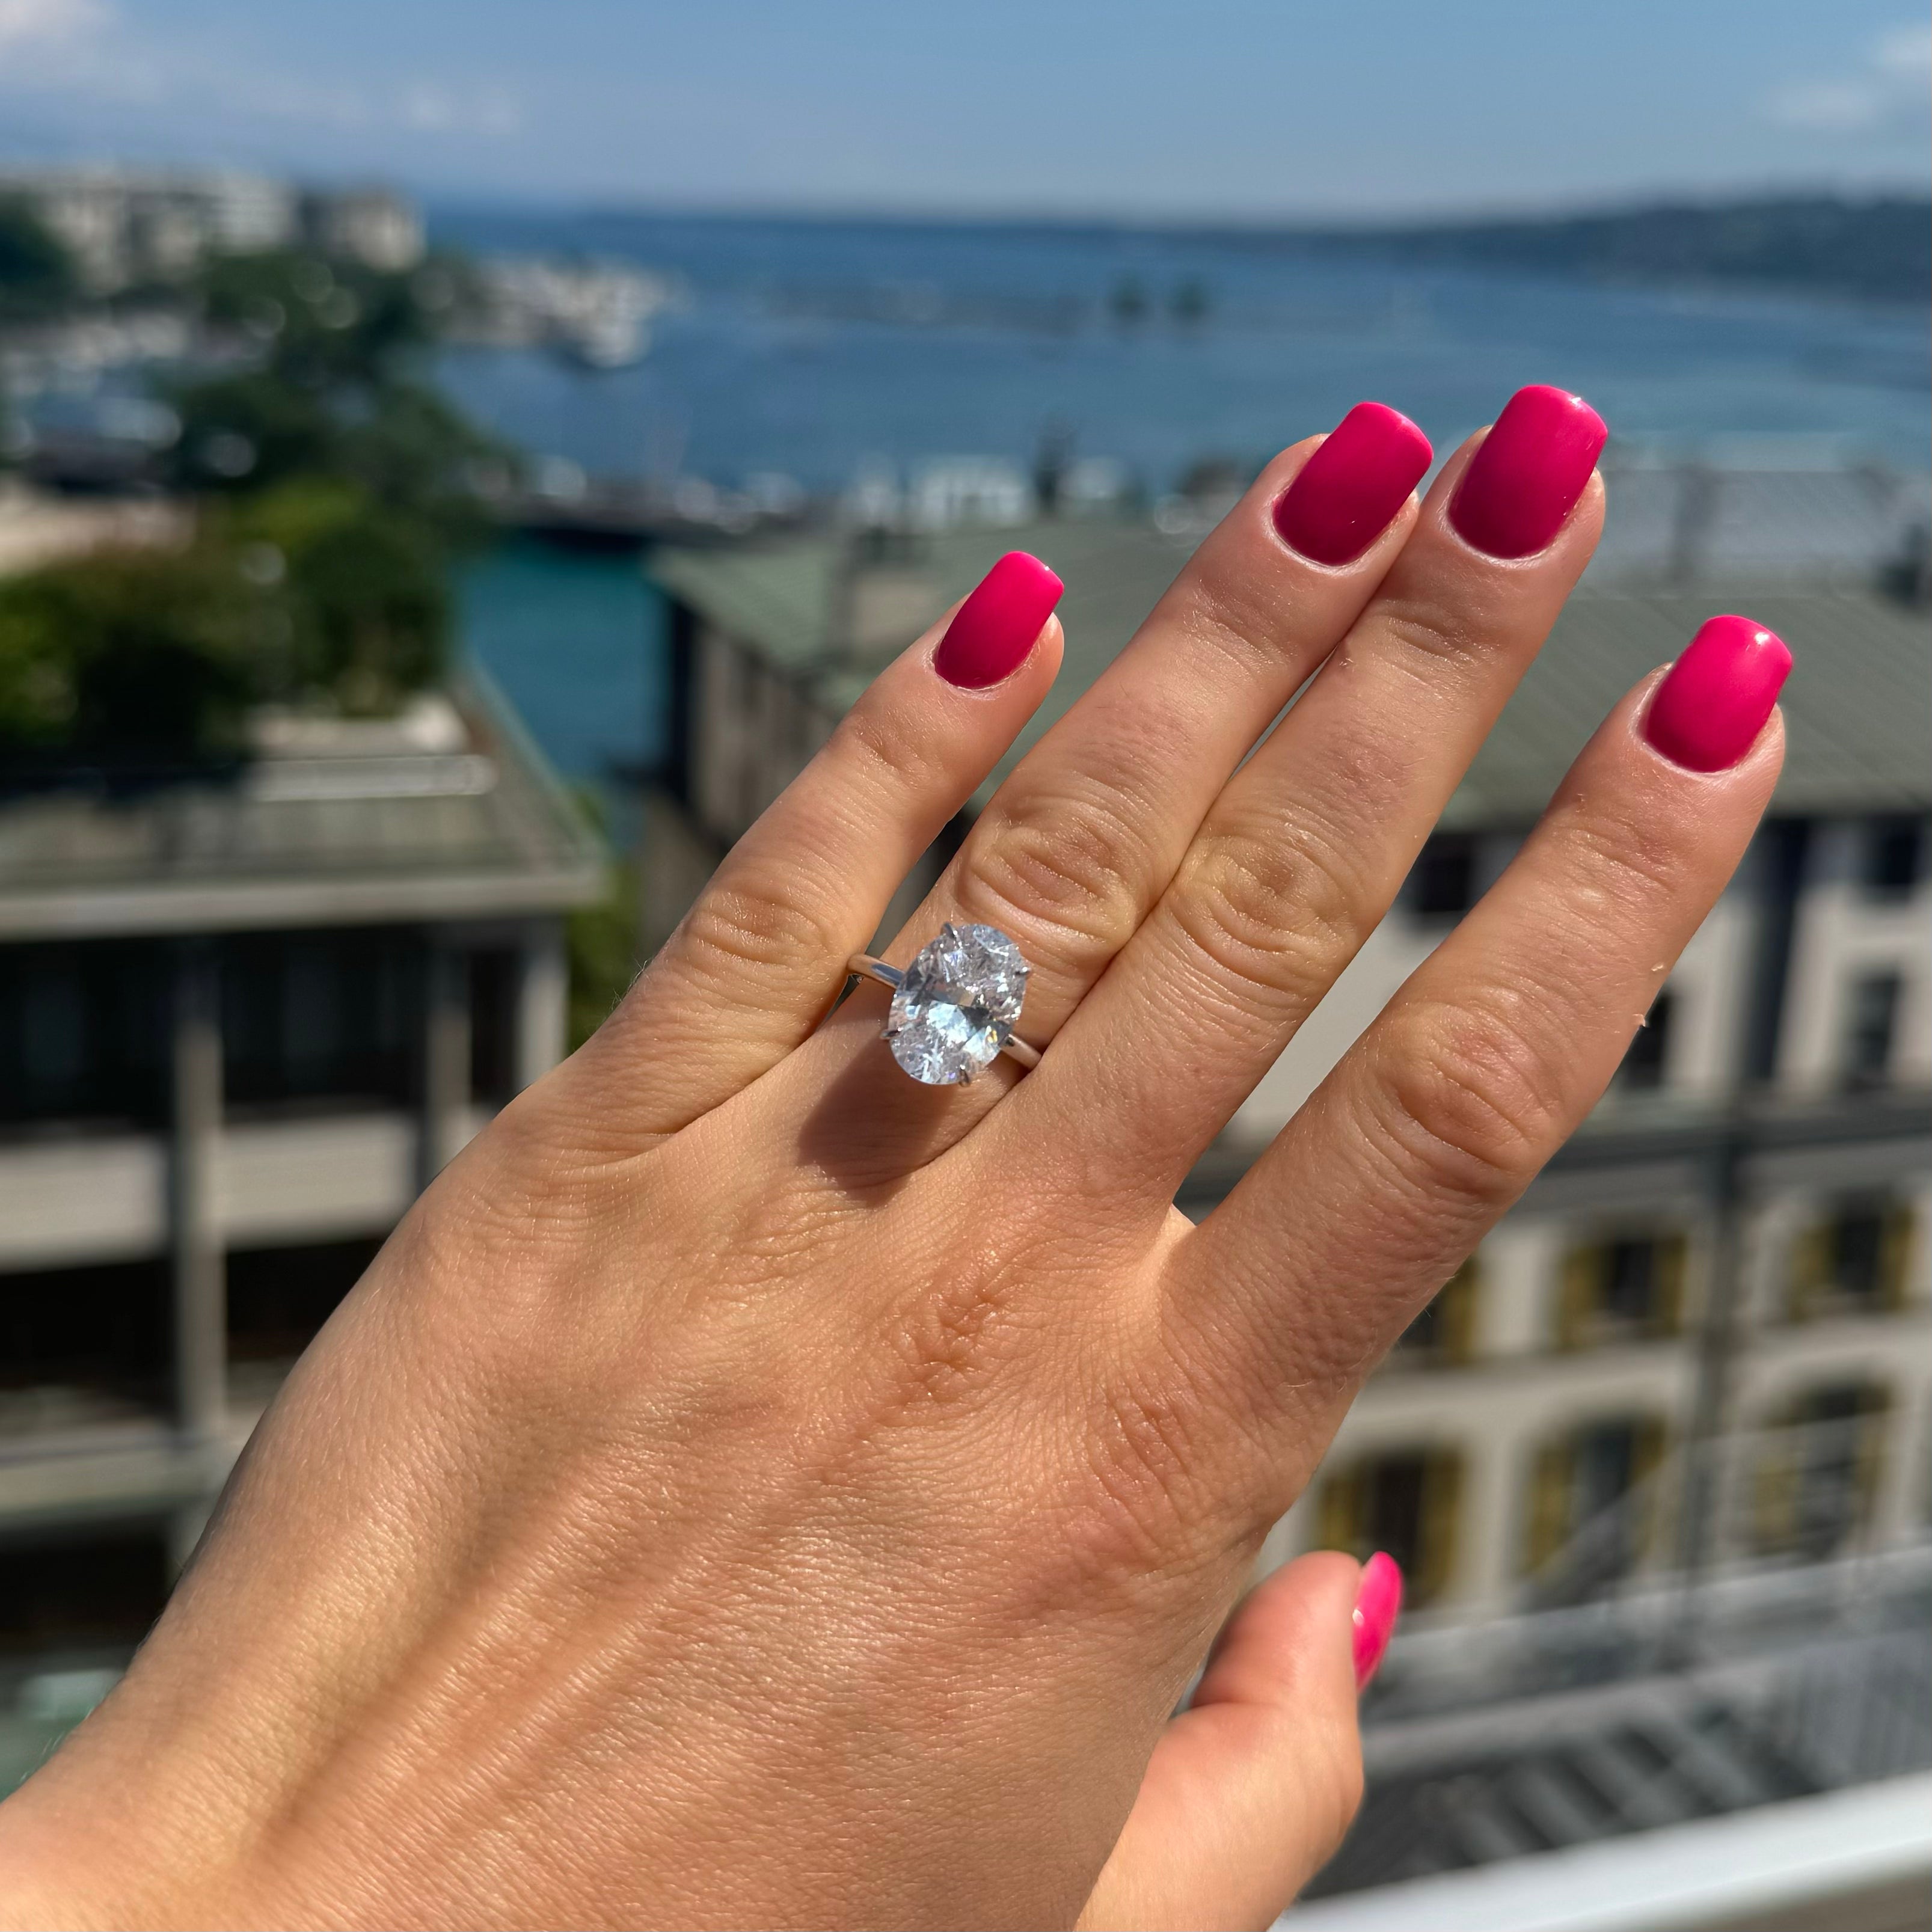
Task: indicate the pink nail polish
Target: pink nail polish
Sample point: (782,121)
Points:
(1353,484)
(992,631)
(1525,479)
(1715,699)
(1378,1604)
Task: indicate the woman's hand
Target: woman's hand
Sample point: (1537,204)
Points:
(751,1488)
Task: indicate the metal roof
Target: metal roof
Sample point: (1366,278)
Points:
(451,813)
(1544,1733)
(1859,706)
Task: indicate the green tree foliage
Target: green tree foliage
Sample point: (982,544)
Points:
(362,588)
(128,657)
(36,276)
(311,592)
(334,486)
(329,387)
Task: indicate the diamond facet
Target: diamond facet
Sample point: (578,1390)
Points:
(957,1005)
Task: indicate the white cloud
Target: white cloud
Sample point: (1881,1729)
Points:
(32,26)
(435,107)
(1889,87)
(86,53)
(1907,52)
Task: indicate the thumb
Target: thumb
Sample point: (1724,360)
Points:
(1250,1788)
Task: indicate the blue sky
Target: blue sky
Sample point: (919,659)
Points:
(1238,107)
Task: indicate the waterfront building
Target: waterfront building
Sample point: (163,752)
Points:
(1701,1339)
(243,1018)
(125,226)
(375,226)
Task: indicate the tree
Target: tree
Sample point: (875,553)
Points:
(36,276)
(128,657)
(362,587)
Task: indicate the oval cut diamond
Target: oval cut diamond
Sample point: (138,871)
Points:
(956,1006)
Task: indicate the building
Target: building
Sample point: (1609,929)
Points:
(375,226)
(242,1020)
(126,226)
(1700,1340)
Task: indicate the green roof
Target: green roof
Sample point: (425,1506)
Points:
(1859,706)
(332,822)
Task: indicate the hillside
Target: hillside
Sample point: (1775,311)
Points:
(1877,248)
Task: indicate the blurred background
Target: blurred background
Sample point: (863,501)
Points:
(457,464)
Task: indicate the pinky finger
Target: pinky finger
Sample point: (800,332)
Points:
(1491,1054)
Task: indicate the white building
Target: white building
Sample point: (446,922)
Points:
(127,226)
(1736,1243)
(1702,1337)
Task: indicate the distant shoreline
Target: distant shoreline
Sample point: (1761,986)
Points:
(1875,247)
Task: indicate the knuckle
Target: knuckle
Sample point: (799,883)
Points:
(1232,610)
(1282,912)
(874,737)
(756,923)
(1471,1105)
(1431,632)
(1337,1795)
(1076,865)
(1144,1496)
(1629,861)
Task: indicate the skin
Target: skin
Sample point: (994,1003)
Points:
(752,1488)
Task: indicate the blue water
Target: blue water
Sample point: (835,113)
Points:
(786,357)
(817,349)
(576,643)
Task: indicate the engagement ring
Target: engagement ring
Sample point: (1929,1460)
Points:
(953,1008)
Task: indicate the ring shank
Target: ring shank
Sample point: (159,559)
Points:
(868,966)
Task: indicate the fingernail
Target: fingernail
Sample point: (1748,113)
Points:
(1714,700)
(995,628)
(1378,1604)
(1526,479)
(1353,484)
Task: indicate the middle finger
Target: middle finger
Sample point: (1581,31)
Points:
(1303,853)
(1083,837)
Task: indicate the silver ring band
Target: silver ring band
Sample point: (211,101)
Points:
(868,966)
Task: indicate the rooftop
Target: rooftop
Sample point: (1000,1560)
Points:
(1658,1759)
(446,811)
(1859,703)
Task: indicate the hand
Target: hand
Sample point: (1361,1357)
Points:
(751,1488)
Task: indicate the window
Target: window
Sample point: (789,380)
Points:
(1621,1287)
(1894,850)
(83,1345)
(1590,1505)
(1817,1473)
(326,1016)
(1403,1501)
(495,980)
(84,1033)
(1854,1259)
(1643,1063)
(1442,883)
(98,1588)
(1444,1331)
(1870,1022)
